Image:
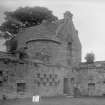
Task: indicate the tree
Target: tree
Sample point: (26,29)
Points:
(26,17)
(90,57)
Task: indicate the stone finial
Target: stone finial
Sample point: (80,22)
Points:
(67,15)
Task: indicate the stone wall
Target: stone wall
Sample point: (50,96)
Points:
(28,79)
(46,80)
(52,50)
(48,52)
(91,78)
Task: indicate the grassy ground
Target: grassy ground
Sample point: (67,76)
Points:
(57,101)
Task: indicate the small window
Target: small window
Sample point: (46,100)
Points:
(5,79)
(21,87)
(5,76)
(104,81)
(91,84)
(1,73)
(1,83)
(70,46)
(53,79)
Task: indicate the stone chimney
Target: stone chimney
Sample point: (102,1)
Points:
(67,16)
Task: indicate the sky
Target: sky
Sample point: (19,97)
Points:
(88,18)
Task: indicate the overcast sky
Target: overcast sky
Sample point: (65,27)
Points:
(89,19)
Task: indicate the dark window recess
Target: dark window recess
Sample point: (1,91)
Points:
(5,78)
(72,80)
(1,73)
(21,87)
(104,81)
(21,55)
(1,83)
(53,79)
(35,64)
(91,84)
(70,51)
(70,45)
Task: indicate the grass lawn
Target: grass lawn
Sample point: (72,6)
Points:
(56,101)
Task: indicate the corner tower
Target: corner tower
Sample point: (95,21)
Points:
(69,35)
(52,49)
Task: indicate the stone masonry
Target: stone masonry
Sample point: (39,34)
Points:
(52,50)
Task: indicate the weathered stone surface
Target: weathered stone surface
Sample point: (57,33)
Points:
(52,50)
(92,78)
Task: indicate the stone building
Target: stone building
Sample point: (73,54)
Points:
(42,63)
(90,78)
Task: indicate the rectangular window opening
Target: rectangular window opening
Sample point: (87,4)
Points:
(1,73)
(21,87)
(1,83)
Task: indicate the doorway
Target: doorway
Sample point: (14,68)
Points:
(91,89)
(67,84)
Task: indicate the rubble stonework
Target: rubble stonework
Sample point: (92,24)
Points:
(91,78)
(51,49)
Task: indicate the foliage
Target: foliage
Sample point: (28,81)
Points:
(26,17)
(90,57)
